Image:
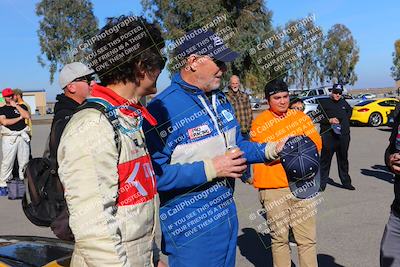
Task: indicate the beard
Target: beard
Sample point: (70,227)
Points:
(212,84)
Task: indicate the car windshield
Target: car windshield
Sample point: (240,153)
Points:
(363,103)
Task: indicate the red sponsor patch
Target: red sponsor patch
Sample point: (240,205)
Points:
(137,182)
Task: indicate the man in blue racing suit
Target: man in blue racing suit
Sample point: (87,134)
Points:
(191,156)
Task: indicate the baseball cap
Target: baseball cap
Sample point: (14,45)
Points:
(72,71)
(274,87)
(204,42)
(337,87)
(337,128)
(300,159)
(7,92)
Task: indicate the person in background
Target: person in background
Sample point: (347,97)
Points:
(18,94)
(15,139)
(297,104)
(19,98)
(240,102)
(274,185)
(390,244)
(76,81)
(335,132)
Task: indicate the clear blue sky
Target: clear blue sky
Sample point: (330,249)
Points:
(374,25)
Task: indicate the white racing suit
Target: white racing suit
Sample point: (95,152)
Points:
(111,196)
(15,144)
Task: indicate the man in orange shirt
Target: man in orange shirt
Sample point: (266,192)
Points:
(283,209)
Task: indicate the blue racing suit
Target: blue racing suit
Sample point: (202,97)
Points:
(198,214)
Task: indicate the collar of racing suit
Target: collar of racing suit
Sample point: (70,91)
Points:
(200,98)
(117,100)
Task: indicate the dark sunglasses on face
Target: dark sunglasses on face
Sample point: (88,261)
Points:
(220,64)
(337,92)
(87,79)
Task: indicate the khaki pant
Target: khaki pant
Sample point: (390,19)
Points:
(283,211)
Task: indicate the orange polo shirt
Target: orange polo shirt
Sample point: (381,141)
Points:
(267,127)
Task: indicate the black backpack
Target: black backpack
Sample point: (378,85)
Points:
(44,198)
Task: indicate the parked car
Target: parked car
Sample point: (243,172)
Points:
(373,112)
(366,96)
(316,92)
(351,100)
(255,104)
(258,104)
(21,251)
(311,106)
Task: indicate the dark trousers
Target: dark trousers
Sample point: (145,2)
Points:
(390,245)
(331,144)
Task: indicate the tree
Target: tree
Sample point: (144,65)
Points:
(307,41)
(341,55)
(396,61)
(248,20)
(63,28)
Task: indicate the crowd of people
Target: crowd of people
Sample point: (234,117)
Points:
(179,157)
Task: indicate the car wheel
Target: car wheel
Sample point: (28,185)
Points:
(375,119)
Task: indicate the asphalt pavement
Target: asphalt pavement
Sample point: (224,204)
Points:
(350,223)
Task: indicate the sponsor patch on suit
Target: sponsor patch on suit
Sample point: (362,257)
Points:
(199,131)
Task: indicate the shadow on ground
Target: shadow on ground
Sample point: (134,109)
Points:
(385,129)
(327,261)
(379,171)
(256,248)
(332,182)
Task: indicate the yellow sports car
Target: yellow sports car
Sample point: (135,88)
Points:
(35,251)
(373,111)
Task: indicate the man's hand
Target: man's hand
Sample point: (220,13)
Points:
(13,103)
(334,121)
(230,165)
(279,146)
(394,162)
(161,264)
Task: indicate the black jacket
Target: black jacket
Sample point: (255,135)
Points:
(63,111)
(390,150)
(64,108)
(334,109)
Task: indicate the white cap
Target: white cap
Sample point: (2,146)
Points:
(73,71)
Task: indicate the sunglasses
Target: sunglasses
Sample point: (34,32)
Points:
(337,92)
(220,64)
(87,79)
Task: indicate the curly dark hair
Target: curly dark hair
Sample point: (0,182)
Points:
(125,47)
